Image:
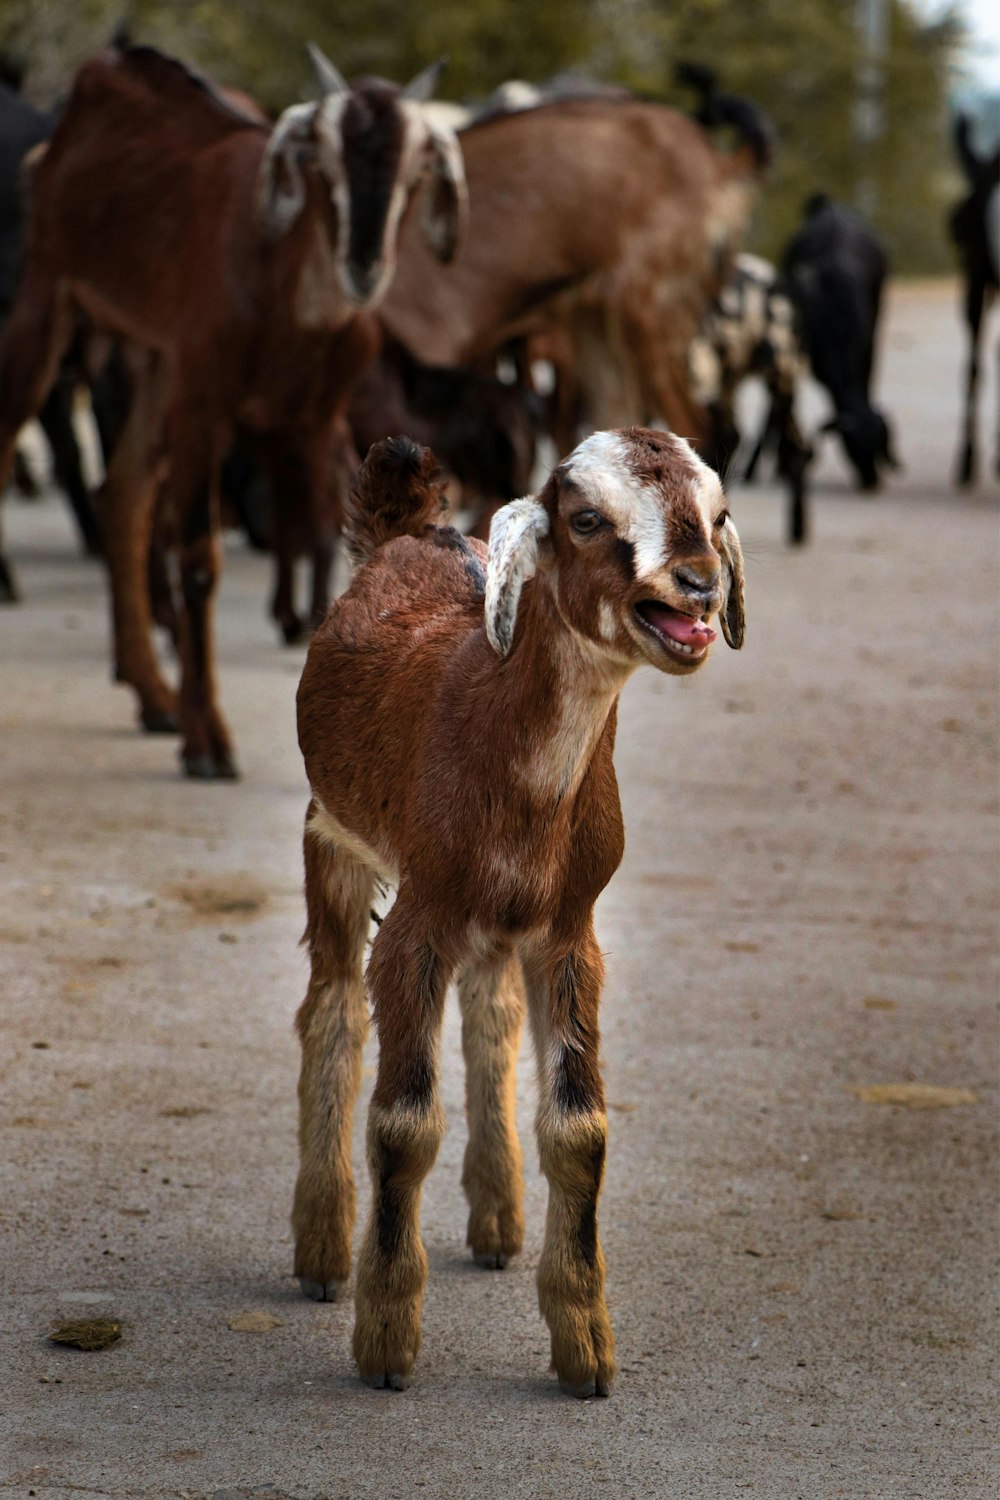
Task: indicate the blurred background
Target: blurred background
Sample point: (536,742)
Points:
(858,90)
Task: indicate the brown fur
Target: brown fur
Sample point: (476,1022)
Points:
(157,213)
(605,227)
(484,786)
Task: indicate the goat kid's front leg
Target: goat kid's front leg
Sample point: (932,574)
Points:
(332,1022)
(491,995)
(572,1128)
(407,982)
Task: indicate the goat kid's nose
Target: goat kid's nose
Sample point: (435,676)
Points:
(698,580)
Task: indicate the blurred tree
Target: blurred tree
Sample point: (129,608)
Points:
(798,63)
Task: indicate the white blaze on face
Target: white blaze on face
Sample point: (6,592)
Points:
(330,151)
(638,510)
(409,172)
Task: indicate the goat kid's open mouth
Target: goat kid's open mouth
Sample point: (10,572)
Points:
(687,637)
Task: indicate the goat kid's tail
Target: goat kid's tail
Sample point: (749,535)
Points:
(397,493)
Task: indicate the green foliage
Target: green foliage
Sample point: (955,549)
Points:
(800,64)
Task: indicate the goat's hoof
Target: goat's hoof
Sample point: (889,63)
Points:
(220,767)
(226,768)
(292,631)
(159,721)
(490,1260)
(597,1387)
(387,1380)
(320,1291)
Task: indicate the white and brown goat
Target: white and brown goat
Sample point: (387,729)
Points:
(457,718)
(239,258)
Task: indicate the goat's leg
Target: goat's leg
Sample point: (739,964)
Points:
(56,418)
(996,451)
(407,982)
(492,1001)
(37,335)
(126,506)
(207,749)
(563,997)
(331,1023)
(795,455)
(975,296)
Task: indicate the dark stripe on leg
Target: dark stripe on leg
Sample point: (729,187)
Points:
(586,1232)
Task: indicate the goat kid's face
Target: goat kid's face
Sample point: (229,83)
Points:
(632,536)
(373,145)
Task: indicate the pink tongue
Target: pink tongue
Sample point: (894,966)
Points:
(681,628)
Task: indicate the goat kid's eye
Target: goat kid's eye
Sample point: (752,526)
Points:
(721,520)
(585,522)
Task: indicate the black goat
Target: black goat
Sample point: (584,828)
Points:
(974,226)
(835,268)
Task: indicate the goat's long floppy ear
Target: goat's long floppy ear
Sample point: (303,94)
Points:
(445,201)
(732,615)
(515,533)
(281,186)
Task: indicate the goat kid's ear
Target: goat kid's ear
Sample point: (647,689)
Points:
(281,186)
(515,533)
(445,200)
(732,616)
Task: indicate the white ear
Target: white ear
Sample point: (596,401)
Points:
(445,208)
(732,616)
(281,188)
(515,533)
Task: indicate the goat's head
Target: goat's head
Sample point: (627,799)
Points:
(632,537)
(373,145)
(867,441)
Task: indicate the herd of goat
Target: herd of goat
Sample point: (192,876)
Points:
(252,304)
(258,312)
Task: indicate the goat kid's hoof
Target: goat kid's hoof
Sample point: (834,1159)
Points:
(159,721)
(597,1387)
(491,1260)
(387,1381)
(321,1291)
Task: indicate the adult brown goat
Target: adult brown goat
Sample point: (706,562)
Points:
(237,256)
(612,221)
(457,719)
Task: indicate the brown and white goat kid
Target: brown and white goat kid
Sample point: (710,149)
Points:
(457,717)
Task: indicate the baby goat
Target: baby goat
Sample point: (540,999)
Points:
(457,717)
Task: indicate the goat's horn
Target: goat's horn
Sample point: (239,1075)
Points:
(422,88)
(331,80)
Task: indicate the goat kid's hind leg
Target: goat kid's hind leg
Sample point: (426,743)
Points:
(331,1023)
(563,997)
(491,996)
(406,981)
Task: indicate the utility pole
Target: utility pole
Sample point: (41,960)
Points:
(872,21)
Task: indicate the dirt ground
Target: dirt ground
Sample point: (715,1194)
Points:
(802,1277)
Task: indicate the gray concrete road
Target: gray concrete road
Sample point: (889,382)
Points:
(802,1281)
